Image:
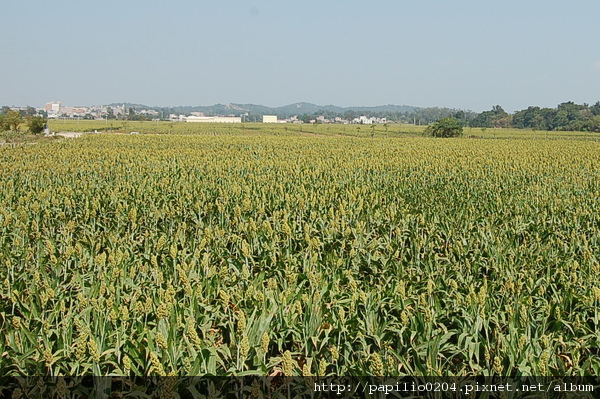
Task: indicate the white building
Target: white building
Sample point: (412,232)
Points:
(214,119)
(363,120)
(52,109)
(269,118)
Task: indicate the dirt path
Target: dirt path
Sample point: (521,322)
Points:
(69,135)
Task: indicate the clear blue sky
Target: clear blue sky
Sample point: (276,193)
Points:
(469,54)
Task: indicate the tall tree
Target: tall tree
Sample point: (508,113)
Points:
(11,121)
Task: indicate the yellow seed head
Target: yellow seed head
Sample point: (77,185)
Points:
(187,365)
(193,336)
(162,311)
(498,368)
(543,363)
(17,322)
(352,285)
(61,387)
(376,365)
(596,294)
(405,317)
(241,326)
(335,354)
(161,341)
(264,342)
(213,393)
(255,389)
(224,297)
(244,347)
(307,374)
(298,307)
(80,349)
(161,243)
(245,249)
(430,287)
(272,284)
(285,228)
(49,247)
(124,313)
(306,370)
(93,349)
(48,357)
(101,259)
(521,342)
(576,358)
(133,214)
(126,365)
(287,363)
(323,367)
(453,285)
(112,315)
(156,364)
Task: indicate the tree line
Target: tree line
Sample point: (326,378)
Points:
(566,116)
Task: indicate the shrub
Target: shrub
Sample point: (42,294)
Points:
(445,127)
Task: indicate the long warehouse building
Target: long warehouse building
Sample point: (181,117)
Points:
(215,119)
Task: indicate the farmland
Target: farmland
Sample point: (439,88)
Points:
(356,130)
(312,252)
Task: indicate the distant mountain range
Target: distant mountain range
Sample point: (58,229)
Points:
(282,112)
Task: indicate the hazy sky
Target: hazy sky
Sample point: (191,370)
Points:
(469,54)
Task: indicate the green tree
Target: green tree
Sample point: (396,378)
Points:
(36,124)
(534,118)
(305,118)
(497,117)
(445,127)
(29,111)
(594,124)
(11,121)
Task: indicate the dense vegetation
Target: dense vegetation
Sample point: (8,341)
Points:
(12,121)
(445,127)
(567,116)
(222,254)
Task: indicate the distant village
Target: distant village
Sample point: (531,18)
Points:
(56,110)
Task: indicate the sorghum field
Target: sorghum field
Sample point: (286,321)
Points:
(268,254)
